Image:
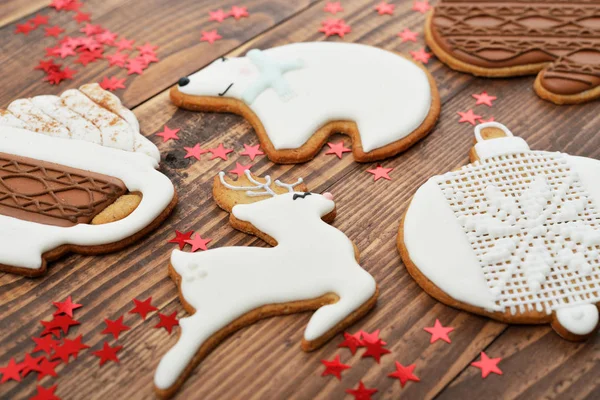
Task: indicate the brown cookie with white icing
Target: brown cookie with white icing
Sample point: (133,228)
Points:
(560,42)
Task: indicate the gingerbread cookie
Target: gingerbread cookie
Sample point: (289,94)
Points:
(312,266)
(515,235)
(558,41)
(296,95)
(67,185)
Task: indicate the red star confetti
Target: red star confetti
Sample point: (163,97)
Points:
(60,4)
(404,374)
(469,117)
(385,8)
(421,55)
(125,44)
(113,83)
(484,98)
(73,5)
(439,332)
(198,243)
(167,321)
(91,30)
(333,7)
(220,152)
(335,27)
(45,344)
(210,36)
(47,65)
(81,17)
(68,73)
(64,51)
(24,28)
(11,371)
(106,37)
(380,172)
(90,44)
(69,348)
(53,31)
(362,392)
(54,77)
(143,307)
(39,20)
(107,353)
(337,148)
(421,6)
(371,337)
(334,367)
(117,58)
(218,15)
(66,307)
(195,151)
(251,151)
(60,322)
(45,393)
(238,12)
(240,169)
(115,327)
(353,342)
(51,51)
(180,238)
(46,368)
(487,365)
(168,134)
(375,349)
(88,57)
(147,48)
(149,57)
(136,66)
(30,364)
(407,35)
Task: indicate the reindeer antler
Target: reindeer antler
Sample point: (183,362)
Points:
(266,186)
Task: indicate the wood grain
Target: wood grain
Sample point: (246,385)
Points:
(265,360)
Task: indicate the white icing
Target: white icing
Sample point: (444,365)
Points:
(8,119)
(36,119)
(311,259)
(580,320)
(24,242)
(385,94)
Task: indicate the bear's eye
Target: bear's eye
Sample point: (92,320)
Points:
(301,195)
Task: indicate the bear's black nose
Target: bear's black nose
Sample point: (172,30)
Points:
(183,81)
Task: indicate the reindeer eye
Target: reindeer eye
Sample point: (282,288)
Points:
(301,196)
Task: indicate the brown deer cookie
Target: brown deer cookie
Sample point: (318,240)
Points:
(515,235)
(558,41)
(312,266)
(75,175)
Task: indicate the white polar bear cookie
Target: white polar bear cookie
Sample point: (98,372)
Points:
(515,235)
(75,175)
(312,266)
(296,95)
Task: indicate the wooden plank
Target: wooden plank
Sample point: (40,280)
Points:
(13,10)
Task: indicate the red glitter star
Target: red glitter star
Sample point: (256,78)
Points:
(24,28)
(30,364)
(45,393)
(421,55)
(113,83)
(117,59)
(333,7)
(197,242)
(337,148)
(371,337)
(408,35)
(385,8)
(46,368)
(45,344)
(59,322)
(438,331)
(404,374)
(240,169)
(375,349)
(421,6)
(66,307)
(334,367)
(81,17)
(469,117)
(362,392)
(195,151)
(218,15)
(167,321)
(487,365)
(143,307)
(238,12)
(220,152)
(380,172)
(53,31)
(73,347)
(115,327)
(353,342)
(107,353)
(168,134)
(484,98)
(39,20)
(251,151)
(180,238)
(210,36)
(11,371)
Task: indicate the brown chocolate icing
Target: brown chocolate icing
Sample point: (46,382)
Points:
(563,36)
(53,194)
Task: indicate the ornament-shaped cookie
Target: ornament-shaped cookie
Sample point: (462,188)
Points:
(515,235)
(312,267)
(295,96)
(558,41)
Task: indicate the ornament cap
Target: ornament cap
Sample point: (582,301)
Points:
(495,139)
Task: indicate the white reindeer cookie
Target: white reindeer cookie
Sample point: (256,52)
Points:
(311,266)
(515,235)
(295,96)
(75,176)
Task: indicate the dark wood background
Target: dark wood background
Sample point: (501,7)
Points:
(265,361)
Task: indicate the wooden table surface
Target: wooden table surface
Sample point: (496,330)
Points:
(264,361)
